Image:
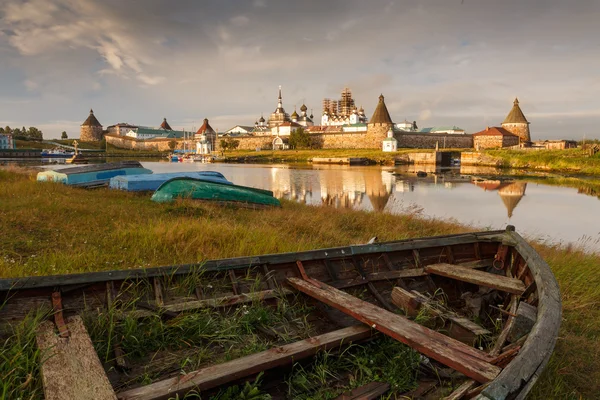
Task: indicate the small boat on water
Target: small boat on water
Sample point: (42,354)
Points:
(77,159)
(202,189)
(92,175)
(58,153)
(151,182)
(302,322)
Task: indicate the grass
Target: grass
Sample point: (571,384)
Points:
(52,229)
(569,160)
(266,156)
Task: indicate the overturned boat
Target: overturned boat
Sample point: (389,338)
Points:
(92,175)
(151,182)
(213,190)
(471,315)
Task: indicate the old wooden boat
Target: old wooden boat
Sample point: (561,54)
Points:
(92,175)
(210,190)
(151,182)
(306,321)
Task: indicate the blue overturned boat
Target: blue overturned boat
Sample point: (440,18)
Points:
(139,183)
(92,175)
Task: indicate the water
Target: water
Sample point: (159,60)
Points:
(550,213)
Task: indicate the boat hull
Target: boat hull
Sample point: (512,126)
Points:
(138,183)
(201,189)
(92,174)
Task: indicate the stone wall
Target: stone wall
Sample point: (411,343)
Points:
(125,142)
(429,140)
(90,133)
(477,158)
(481,142)
(519,129)
(254,142)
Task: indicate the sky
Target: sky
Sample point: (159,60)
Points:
(439,62)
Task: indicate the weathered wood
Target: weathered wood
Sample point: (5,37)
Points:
(271,283)
(449,255)
(158,292)
(504,283)
(227,301)
(465,359)
(461,391)
(507,327)
(523,322)
(234,283)
(57,310)
(216,375)
(369,391)
(406,301)
(71,369)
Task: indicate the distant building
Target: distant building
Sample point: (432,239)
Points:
(206,138)
(285,129)
(279,116)
(302,119)
(407,126)
(516,123)
(494,137)
(6,141)
(555,144)
(239,130)
(120,129)
(91,129)
(342,112)
(165,125)
(145,133)
(390,143)
(450,130)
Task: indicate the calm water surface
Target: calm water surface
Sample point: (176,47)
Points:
(550,213)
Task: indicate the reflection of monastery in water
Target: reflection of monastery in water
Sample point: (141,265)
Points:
(511,193)
(341,189)
(286,187)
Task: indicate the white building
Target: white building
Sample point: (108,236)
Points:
(144,133)
(239,130)
(6,141)
(285,129)
(406,126)
(390,143)
(450,130)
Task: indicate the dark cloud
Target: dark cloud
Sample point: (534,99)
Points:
(449,62)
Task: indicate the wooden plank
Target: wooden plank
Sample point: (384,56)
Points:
(220,374)
(158,292)
(227,301)
(234,283)
(465,359)
(369,391)
(500,282)
(461,391)
(57,309)
(71,369)
(406,301)
(507,327)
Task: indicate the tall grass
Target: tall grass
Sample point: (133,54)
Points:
(52,229)
(570,160)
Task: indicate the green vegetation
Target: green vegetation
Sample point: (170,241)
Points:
(229,144)
(300,139)
(23,133)
(52,229)
(269,156)
(570,160)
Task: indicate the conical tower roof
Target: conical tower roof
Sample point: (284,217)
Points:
(381,114)
(515,116)
(165,125)
(205,128)
(511,195)
(91,120)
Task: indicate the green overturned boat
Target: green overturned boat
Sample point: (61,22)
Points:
(212,190)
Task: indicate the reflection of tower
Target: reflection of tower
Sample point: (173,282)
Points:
(377,190)
(511,195)
(341,189)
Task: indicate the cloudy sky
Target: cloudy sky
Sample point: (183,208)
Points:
(439,62)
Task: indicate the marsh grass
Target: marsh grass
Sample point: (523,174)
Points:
(569,160)
(53,229)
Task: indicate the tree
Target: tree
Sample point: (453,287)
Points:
(232,144)
(1,129)
(172,144)
(7,129)
(224,145)
(299,139)
(64,135)
(34,133)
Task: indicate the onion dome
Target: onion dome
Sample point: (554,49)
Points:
(91,120)
(294,115)
(262,119)
(303,107)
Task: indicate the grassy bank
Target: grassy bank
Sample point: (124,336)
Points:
(570,160)
(52,229)
(288,156)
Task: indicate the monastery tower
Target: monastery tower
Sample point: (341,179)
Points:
(516,123)
(91,129)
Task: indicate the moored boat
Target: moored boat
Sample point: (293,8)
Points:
(147,182)
(492,303)
(202,189)
(58,153)
(92,175)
